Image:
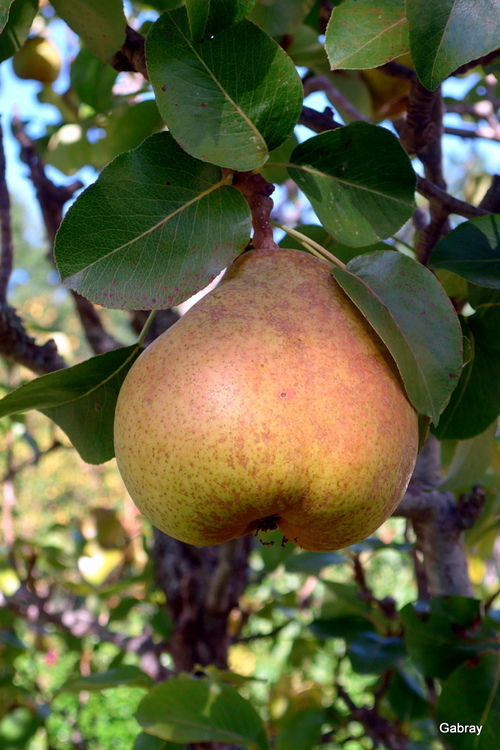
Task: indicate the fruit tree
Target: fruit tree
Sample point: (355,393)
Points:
(268,309)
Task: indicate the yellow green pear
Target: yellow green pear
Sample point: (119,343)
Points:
(37,60)
(271,404)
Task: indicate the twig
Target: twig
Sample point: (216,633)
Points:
(257,192)
(452,205)
(490,134)
(319,122)
(337,98)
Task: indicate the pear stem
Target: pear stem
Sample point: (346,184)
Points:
(147,325)
(257,192)
(311,245)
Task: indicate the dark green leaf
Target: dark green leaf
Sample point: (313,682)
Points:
(145,741)
(471,696)
(207,17)
(100,24)
(407,695)
(17,25)
(408,308)
(201,710)
(126,127)
(445,34)
(365,34)
(301,730)
(475,403)
(372,653)
(472,251)
(278,17)
(313,562)
(228,100)
(346,627)
(470,461)
(359,180)
(153,198)
(124,675)
(438,639)
(80,399)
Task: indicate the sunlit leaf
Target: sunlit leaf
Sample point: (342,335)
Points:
(80,399)
(222,102)
(406,305)
(364,34)
(359,180)
(155,228)
(445,34)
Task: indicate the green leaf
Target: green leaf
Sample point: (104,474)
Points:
(445,34)
(100,24)
(174,226)
(124,675)
(185,709)
(359,180)
(16,25)
(470,461)
(80,399)
(93,80)
(472,251)
(409,310)
(407,695)
(372,653)
(145,741)
(313,562)
(279,17)
(301,730)
(471,696)
(207,17)
(475,403)
(362,34)
(4,12)
(228,100)
(126,127)
(348,626)
(437,639)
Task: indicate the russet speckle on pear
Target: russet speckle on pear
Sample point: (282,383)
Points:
(271,403)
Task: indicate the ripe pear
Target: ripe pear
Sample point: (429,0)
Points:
(271,404)
(37,60)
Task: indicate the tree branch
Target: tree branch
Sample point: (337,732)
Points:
(52,199)
(439,522)
(452,205)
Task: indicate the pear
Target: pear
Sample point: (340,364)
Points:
(37,60)
(271,404)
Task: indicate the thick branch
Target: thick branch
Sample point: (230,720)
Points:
(439,522)
(7,253)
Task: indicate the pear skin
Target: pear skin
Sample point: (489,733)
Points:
(271,404)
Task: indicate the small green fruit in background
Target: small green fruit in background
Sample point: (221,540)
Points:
(271,404)
(37,60)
